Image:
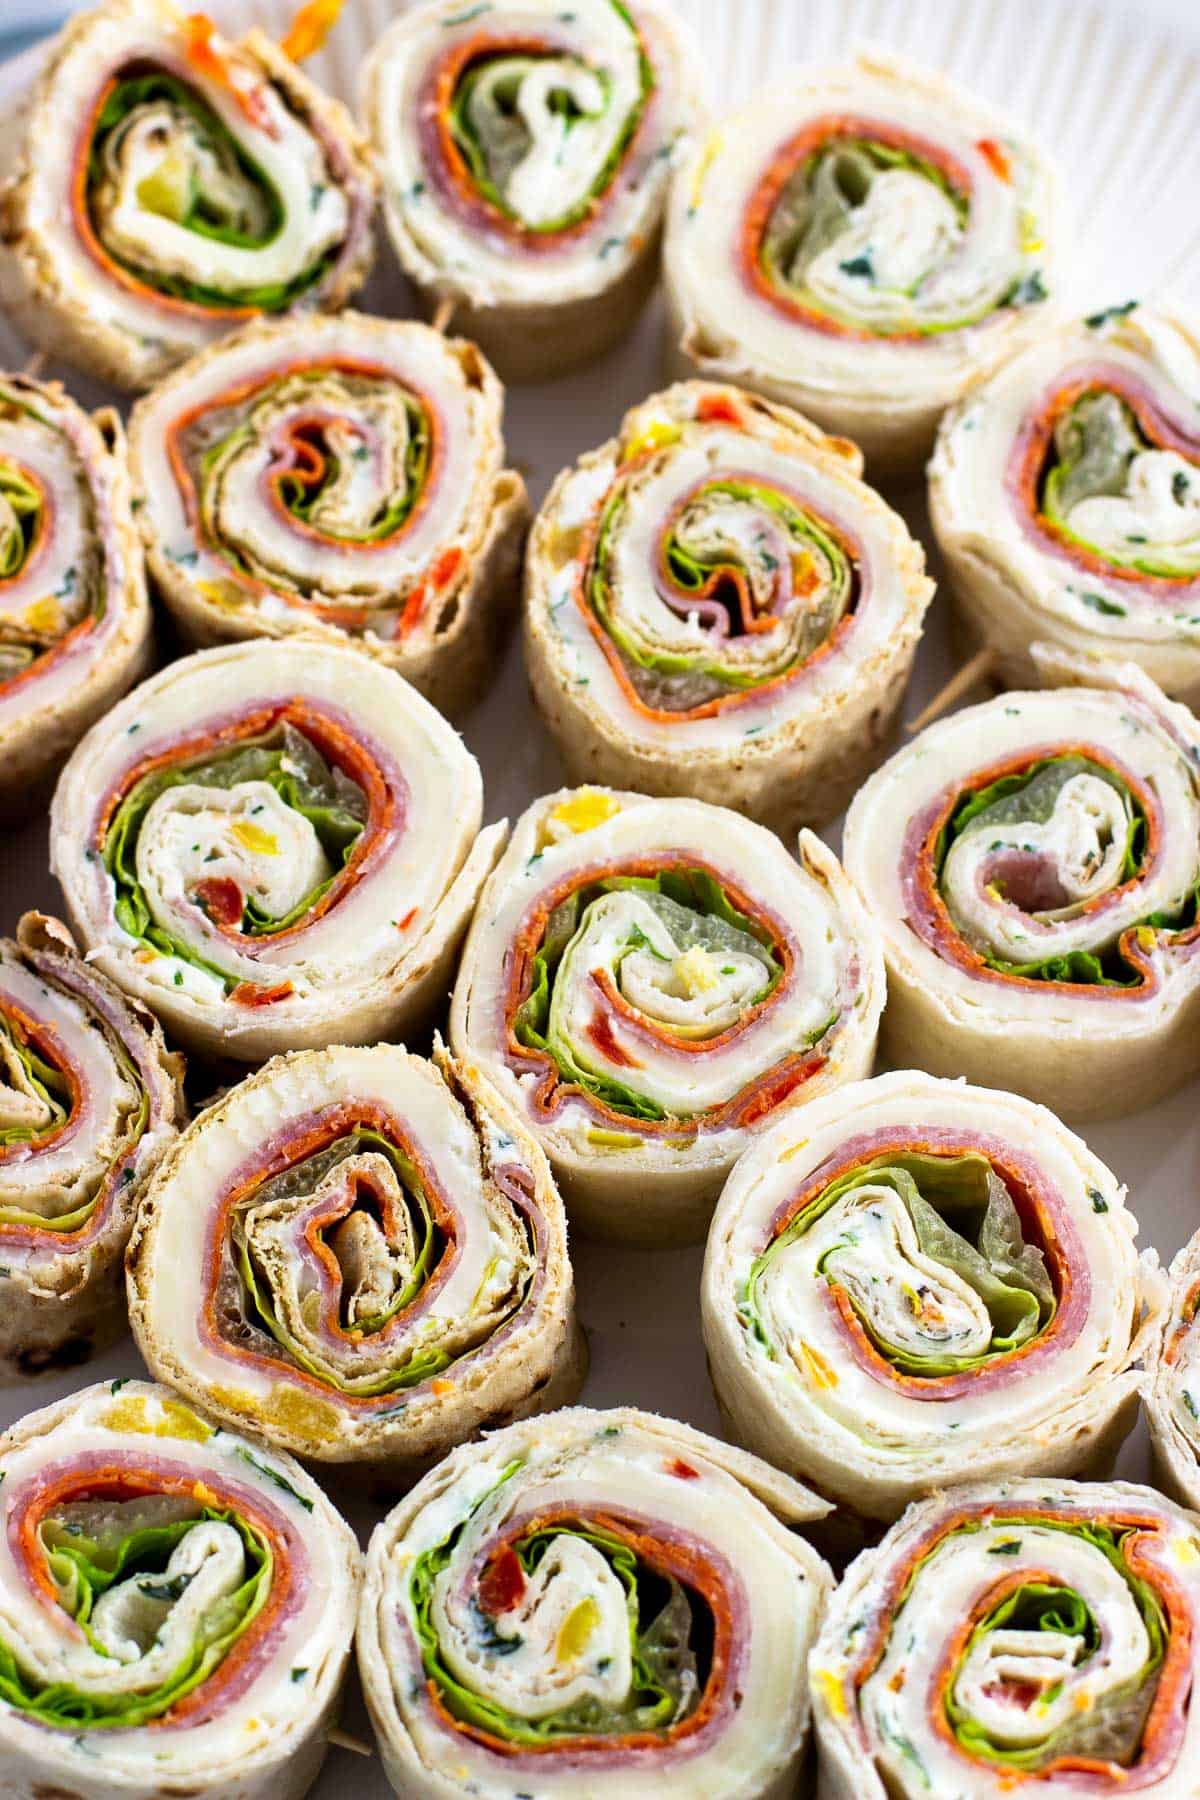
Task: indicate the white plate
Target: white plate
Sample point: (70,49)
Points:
(1119,103)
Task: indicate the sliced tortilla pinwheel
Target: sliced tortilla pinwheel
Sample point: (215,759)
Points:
(647,982)
(90,1098)
(600,1603)
(912,1282)
(1172,1393)
(169,184)
(1033,1636)
(1065,494)
(74,618)
(716,605)
(275,846)
(176,1606)
(341,476)
(860,242)
(525,150)
(359,1256)
(1033,865)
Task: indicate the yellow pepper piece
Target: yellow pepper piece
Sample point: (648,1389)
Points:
(651,434)
(308,30)
(45,615)
(255,839)
(133,1414)
(694,970)
(819,1371)
(586,809)
(575,1630)
(831,1689)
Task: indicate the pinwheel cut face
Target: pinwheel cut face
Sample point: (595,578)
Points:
(1036,870)
(566,1631)
(939,1266)
(1114,483)
(51,548)
(352,1263)
(711,570)
(1181,1358)
(197,181)
(627,977)
(1059,1645)
(859,227)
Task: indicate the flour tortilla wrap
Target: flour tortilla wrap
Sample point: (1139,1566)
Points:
(90,1098)
(341,476)
(176,1606)
(525,151)
(596,1602)
(1172,1392)
(275,846)
(359,1256)
(717,605)
(1065,494)
(914,1282)
(1032,864)
(647,982)
(860,242)
(169,184)
(74,618)
(1015,1636)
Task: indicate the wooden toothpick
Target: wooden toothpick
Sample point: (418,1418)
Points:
(970,675)
(443,314)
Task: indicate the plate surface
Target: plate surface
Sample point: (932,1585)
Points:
(1118,102)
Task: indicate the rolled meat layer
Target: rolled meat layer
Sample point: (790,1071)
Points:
(1065,494)
(860,242)
(90,1098)
(525,151)
(649,981)
(74,619)
(359,1256)
(596,1602)
(275,846)
(168,185)
(176,1606)
(1033,866)
(1172,1391)
(912,1282)
(716,605)
(341,476)
(1027,1637)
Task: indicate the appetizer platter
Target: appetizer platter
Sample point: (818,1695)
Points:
(600,977)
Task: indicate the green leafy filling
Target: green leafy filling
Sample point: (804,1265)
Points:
(816,207)
(20,511)
(493,138)
(665,1625)
(85,1562)
(304,1178)
(806,532)
(984,1245)
(1111,1730)
(1029,797)
(1095,442)
(697,911)
(334,806)
(189,203)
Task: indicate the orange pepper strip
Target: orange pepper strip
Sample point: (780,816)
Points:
(309,29)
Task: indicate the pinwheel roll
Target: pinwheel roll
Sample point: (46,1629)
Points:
(74,620)
(525,150)
(343,477)
(647,981)
(274,846)
(1173,1383)
(1029,1636)
(361,1257)
(1033,866)
(89,1100)
(860,242)
(1065,493)
(597,1602)
(914,1281)
(170,184)
(716,605)
(176,1606)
